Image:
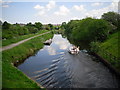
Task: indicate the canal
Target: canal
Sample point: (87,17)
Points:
(53,66)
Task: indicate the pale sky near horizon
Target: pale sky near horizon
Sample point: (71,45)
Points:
(52,11)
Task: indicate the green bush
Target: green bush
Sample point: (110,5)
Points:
(87,30)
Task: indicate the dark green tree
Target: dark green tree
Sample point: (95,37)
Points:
(112,17)
(87,30)
(0,22)
(51,26)
(38,25)
(63,26)
(35,30)
(6,25)
(25,31)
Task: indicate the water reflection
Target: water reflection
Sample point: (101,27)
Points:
(53,66)
(51,50)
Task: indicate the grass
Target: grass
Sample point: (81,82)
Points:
(109,50)
(17,39)
(12,77)
(111,45)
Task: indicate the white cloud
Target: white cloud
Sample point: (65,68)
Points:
(1,1)
(75,18)
(97,4)
(79,8)
(38,7)
(41,13)
(98,12)
(114,6)
(62,11)
(5,6)
(62,44)
(7,2)
(51,50)
(50,5)
(43,9)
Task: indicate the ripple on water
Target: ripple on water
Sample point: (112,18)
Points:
(54,67)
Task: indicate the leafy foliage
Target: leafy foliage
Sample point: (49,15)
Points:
(50,26)
(38,25)
(12,77)
(114,19)
(11,31)
(88,30)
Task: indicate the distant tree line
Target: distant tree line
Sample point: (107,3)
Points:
(90,29)
(15,30)
(51,27)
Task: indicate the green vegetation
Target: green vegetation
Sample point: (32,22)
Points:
(111,44)
(109,50)
(12,77)
(50,26)
(113,18)
(87,30)
(99,35)
(15,30)
(16,39)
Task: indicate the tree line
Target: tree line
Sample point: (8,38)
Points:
(14,30)
(92,30)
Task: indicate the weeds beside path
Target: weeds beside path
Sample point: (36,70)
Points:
(11,76)
(20,42)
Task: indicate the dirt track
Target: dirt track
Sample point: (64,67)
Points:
(20,42)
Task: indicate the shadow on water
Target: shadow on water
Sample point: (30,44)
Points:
(53,66)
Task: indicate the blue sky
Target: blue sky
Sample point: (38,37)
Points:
(53,11)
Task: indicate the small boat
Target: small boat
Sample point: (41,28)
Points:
(74,50)
(48,42)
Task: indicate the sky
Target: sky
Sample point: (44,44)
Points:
(53,11)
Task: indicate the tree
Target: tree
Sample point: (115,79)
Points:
(63,26)
(35,30)
(38,25)
(112,17)
(51,26)
(25,31)
(29,24)
(0,22)
(6,25)
(87,30)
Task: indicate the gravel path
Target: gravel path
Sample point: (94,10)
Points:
(20,42)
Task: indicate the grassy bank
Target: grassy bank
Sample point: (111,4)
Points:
(109,50)
(17,39)
(12,77)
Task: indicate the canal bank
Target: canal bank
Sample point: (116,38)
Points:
(106,63)
(53,66)
(108,52)
(12,77)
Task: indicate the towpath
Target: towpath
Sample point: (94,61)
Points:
(20,42)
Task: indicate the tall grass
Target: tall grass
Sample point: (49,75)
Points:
(12,77)
(109,50)
(17,39)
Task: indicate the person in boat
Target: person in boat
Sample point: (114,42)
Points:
(77,49)
(74,50)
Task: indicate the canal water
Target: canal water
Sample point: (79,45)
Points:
(54,67)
